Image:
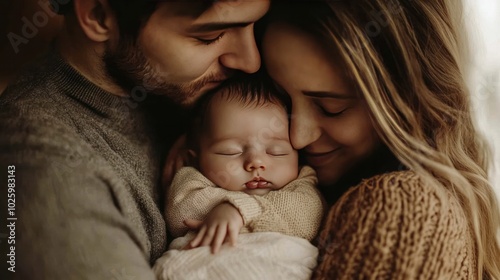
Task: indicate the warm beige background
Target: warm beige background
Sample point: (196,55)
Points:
(483,17)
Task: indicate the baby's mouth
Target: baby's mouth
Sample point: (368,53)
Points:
(257,183)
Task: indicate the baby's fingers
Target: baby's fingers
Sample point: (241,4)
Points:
(220,235)
(209,236)
(233,234)
(196,241)
(193,224)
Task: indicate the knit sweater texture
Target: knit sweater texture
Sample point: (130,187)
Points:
(396,226)
(296,209)
(87,169)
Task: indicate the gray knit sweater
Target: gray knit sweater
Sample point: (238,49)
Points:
(87,167)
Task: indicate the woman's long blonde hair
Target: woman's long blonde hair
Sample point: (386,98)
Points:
(406,59)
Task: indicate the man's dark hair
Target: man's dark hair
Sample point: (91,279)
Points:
(133,14)
(130,14)
(61,7)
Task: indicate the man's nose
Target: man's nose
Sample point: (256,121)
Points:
(243,54)
(254,162)
(304,129)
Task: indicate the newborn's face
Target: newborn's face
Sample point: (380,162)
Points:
(247,148)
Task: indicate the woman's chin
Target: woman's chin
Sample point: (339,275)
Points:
(327,177)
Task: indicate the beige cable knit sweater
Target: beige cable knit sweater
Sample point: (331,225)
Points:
(395,226)
(295,210)
(281,224)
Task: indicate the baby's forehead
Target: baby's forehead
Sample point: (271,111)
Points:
(236,98)
(246,114)
(233,118)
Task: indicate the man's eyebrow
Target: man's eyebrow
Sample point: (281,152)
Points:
(326,94)
(214,26)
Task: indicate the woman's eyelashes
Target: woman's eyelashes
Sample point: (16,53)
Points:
(209,41)
(330,114)
(326,112)
(329,108)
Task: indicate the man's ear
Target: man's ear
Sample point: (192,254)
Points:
(96,19)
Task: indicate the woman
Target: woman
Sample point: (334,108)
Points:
(379,103)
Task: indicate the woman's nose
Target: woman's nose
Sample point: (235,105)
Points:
(254,162)
(304,129)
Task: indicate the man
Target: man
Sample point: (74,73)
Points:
(79,132)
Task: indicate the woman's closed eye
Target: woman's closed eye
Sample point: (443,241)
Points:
(329,114)
(329,108)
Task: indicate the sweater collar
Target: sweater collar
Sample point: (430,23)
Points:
(76,86)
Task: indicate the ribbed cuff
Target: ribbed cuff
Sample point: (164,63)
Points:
(248,206)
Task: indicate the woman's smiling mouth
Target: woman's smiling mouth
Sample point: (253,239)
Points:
(320,159)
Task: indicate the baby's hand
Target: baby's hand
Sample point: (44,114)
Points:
(223,220)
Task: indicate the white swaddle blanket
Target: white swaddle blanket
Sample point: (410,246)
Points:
(261,255)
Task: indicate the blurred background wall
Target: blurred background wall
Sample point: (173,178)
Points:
(483,22)
(26,29)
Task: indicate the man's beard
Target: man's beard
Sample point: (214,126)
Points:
(130,69)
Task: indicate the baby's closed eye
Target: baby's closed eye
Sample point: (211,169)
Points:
(278,151)
(229,153)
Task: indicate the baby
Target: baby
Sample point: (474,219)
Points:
(245,179)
